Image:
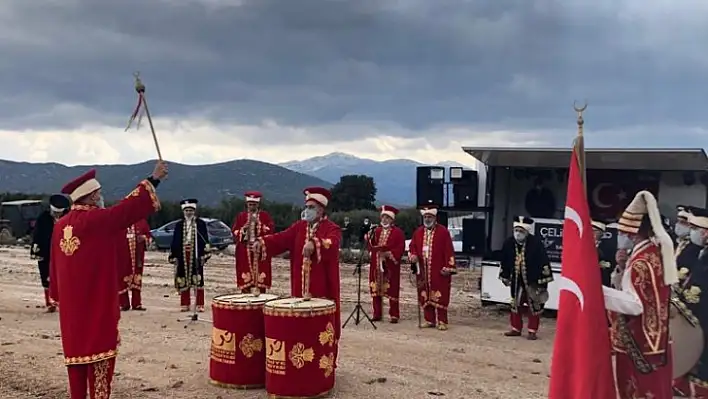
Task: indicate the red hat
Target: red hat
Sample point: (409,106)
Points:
(388,210)
(319,195)
(82,186)
(253,196)
(429,210)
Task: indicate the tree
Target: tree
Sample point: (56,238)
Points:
(353,192)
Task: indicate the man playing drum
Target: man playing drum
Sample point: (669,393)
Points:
(253,270)
(432,251)
(687,299)
(386,244)
(313,243)
(42,241)
(84,281)
(639,303)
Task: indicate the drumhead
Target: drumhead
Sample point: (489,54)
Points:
(297,304)
(687,345)
(244,299)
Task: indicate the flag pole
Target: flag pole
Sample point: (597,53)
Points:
(580,142)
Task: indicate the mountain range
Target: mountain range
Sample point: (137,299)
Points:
(209,183)
(395,179)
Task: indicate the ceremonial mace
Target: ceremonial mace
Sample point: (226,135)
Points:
(140,108)
(580,141)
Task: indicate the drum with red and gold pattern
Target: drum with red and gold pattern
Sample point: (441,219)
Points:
(300,347)
(237,356)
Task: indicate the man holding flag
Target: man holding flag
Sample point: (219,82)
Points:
(640,305)
(581,366)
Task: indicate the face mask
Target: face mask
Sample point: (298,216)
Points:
(681,230)
(308,215)
(385,225)
(101,203)
(366,222)
(624,242)
(696,236)
(428,223)
(519,236)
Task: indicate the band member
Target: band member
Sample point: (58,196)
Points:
(253,270)
(686,251)
(598,230)
(526,269)
(386,246)
(189,252)
(42,242)
(687,299)
(432,251)
(313,243)
(83,277)
(137,241)
(639,305)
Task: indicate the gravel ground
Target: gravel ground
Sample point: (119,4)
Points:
(161,358)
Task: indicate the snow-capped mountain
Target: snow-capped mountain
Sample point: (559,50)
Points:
(395,179)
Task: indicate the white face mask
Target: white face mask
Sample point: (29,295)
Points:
(428,223)
(385,225)
(624,242)
(696,236)
(101,203)
(520,236)
(681,230)
(308,214)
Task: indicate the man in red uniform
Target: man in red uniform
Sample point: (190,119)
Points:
(83,277)
(253,270)
(137,240)
(431,249)
(639,305)
(386,246)
(313,243)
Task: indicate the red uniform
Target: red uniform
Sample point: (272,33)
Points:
(84,283)
(317,275)
(641,342)
(252,269)
(137,240)
(436,254)
(385,272)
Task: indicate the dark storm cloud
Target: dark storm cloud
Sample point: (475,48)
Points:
(514,64)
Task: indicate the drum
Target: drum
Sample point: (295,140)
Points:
(687,347)
(237,356)
(300,347)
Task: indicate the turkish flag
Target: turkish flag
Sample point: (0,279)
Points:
(582,362)
(609,192)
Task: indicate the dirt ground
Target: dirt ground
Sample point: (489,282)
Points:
(160,358)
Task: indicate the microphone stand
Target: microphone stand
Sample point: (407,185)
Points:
(358,309)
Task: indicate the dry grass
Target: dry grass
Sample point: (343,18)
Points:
(161,358)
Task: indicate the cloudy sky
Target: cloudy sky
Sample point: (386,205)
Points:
(277,80)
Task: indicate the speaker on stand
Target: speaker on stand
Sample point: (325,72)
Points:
(430,183)
(464,190)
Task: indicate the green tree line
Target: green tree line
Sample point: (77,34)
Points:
(283,214)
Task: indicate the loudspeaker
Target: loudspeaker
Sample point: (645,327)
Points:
(428,191)
(465,190)
(474,237)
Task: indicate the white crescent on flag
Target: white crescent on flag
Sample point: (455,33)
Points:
(564,283)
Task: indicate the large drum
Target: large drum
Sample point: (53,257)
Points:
(300,347)
(237,358)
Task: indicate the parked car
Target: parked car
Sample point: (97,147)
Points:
(17,218)
(220,235)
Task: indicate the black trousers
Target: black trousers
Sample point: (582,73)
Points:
(44,272)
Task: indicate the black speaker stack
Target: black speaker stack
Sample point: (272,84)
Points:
(432,191)
(429,191)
